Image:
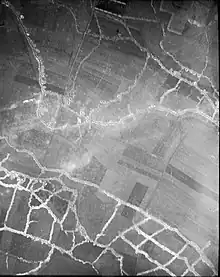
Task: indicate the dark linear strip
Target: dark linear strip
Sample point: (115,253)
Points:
(113,7)
(55,88)
(27,81)
(137,195)
(142,157)
(187,180)
(139,170)
(31,82)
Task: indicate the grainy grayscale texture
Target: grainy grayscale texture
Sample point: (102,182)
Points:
(109,137)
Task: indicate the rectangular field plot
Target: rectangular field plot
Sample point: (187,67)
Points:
(142,157)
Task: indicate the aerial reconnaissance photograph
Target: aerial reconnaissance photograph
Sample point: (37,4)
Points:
(109,137)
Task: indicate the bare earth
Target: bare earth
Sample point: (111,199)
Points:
(109,139)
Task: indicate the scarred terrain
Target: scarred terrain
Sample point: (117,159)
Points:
(109,139)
